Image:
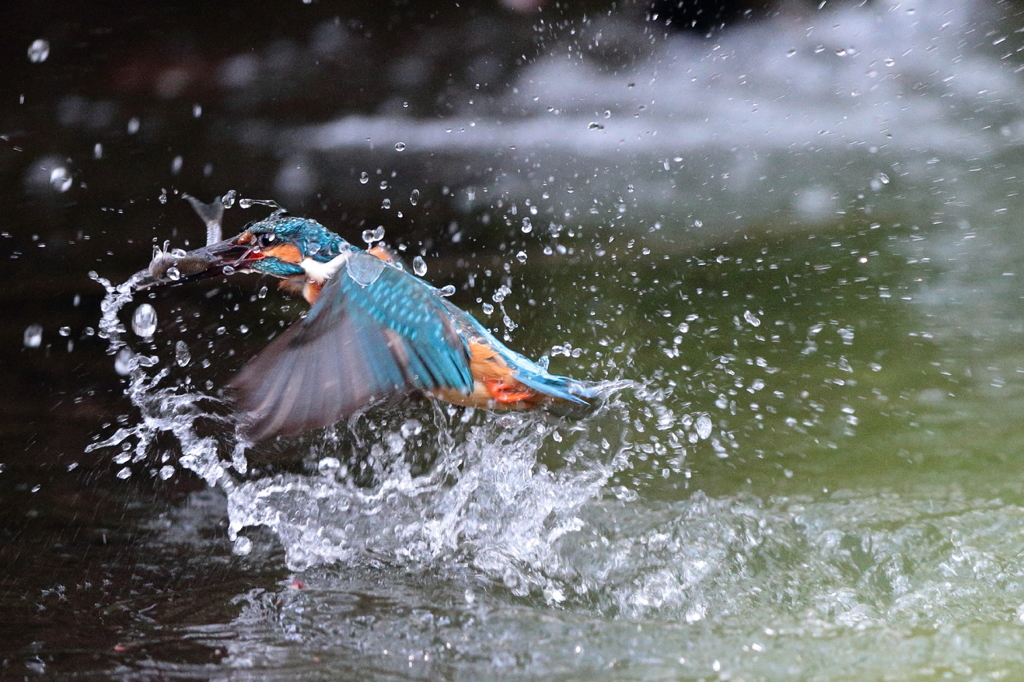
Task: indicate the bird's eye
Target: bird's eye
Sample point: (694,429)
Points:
(266,240)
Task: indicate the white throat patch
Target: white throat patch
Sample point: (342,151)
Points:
(321,272)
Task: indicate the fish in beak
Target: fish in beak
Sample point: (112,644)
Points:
(175,267)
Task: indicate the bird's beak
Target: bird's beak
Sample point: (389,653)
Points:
(175,267)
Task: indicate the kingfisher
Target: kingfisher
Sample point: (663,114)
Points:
(373,330)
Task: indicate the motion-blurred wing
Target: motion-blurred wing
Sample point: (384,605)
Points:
(375,330)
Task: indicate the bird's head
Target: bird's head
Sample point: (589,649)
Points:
(278,244)
(274,246)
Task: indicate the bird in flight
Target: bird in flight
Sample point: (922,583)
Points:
(374,330)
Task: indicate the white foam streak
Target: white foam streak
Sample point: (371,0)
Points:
(903,81)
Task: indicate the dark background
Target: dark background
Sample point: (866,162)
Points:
(79,554)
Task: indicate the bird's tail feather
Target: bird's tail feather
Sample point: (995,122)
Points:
(559,387)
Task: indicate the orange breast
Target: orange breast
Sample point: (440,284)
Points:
(311,291)
(383,253)
(289,253)
(494,387)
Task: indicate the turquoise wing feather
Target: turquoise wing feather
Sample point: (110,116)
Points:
(375,330)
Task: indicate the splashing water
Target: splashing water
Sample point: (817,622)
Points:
(163,410)
(493,493)
(480,504)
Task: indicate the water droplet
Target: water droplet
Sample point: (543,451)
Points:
(97,151)
(173,273)
(791,52)
(889,61)
(364,178)
(419,266)
(751,319)
(144,320)
(123,362)
(166,471)
(527,227)
(197,110)
(374,235)
(328,464)
(703,426)
(133,125)
(228,270)
(399,146)
(242,546)
(414,197)
(64,331)
(386,204)
(521,256)
(38,51)
(262,293)
(33,337)
(487,308)
(124,473)
(447,290)
(176,165)
(60,179)
(594,125)
(229,198)
(411,427)
(181,354)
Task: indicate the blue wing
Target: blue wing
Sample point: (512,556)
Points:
(375,330)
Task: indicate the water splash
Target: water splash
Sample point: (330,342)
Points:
(162,409)
(485,501)
(429,485)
